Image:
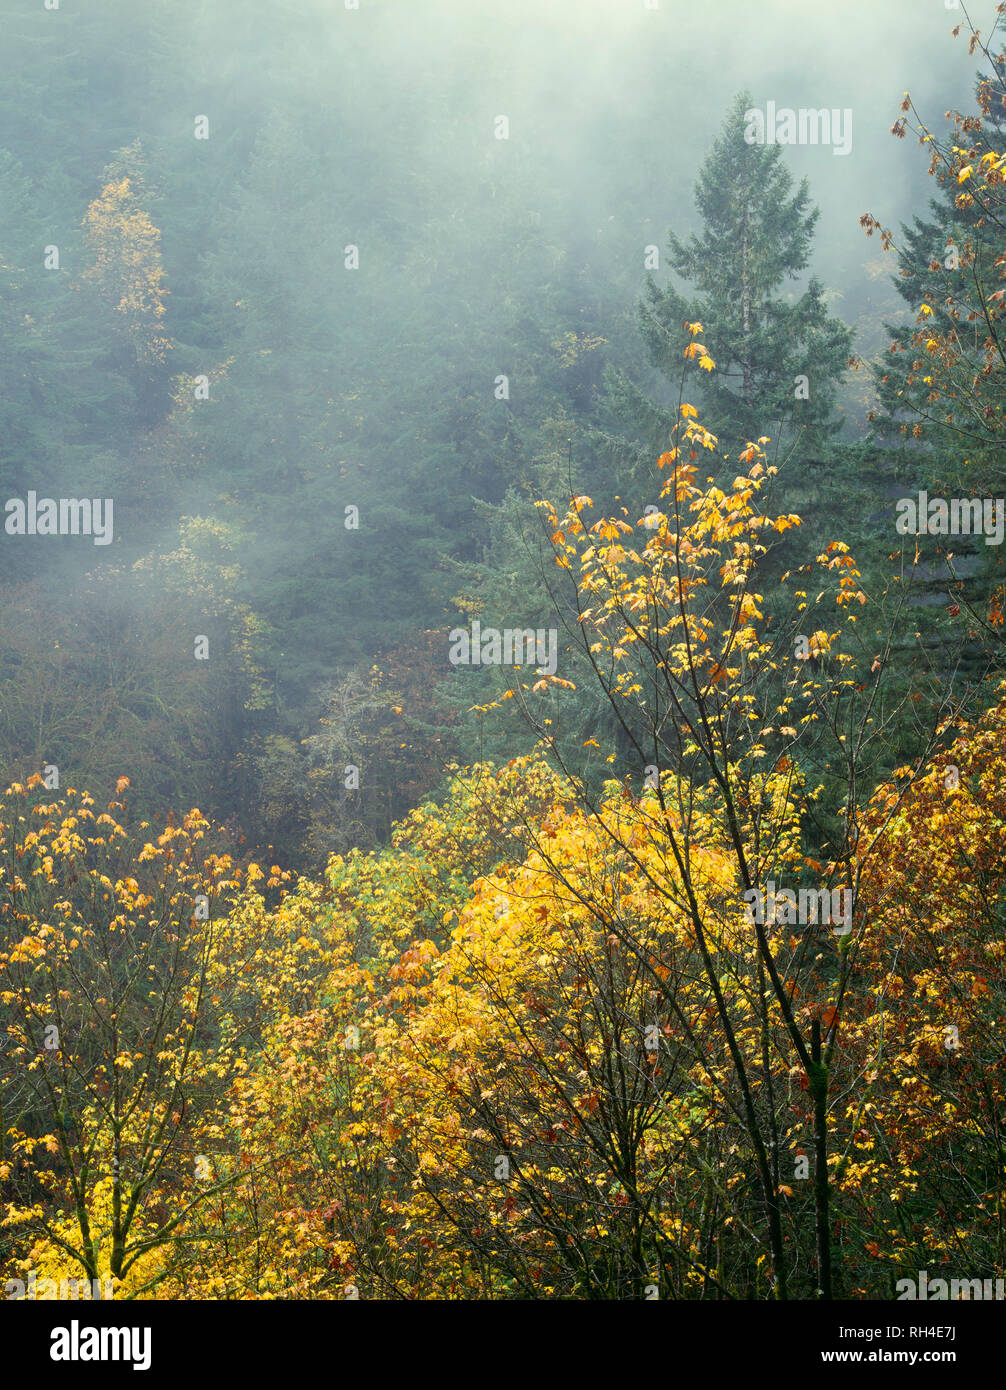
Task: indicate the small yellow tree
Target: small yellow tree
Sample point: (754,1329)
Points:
(126,268)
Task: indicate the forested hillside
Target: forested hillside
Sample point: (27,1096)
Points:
(502,693)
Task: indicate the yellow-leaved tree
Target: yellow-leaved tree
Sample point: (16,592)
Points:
(125,268)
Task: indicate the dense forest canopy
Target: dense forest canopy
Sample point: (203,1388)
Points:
(305,353)
(501,662)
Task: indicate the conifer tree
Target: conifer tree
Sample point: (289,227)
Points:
(777,353)
(940,384)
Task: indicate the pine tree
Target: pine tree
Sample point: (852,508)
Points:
(778,353)
(941,414)
(940,385)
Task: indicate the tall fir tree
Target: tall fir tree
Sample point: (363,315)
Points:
(779,355)
(940,419)
(940,385)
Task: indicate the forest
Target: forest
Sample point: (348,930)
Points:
(502,651)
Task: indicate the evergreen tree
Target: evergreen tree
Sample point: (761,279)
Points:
(778,354)
(941,387)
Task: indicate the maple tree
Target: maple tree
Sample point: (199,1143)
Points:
(722,711)
(113,984)
(491,1060)
(922,1159)
(544,1048)
(126,269)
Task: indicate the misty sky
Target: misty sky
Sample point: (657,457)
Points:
(595,89)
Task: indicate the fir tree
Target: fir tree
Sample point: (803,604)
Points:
(778,353)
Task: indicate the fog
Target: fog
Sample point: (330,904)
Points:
(277,347)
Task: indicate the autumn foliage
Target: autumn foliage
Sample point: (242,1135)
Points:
(538,1045)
